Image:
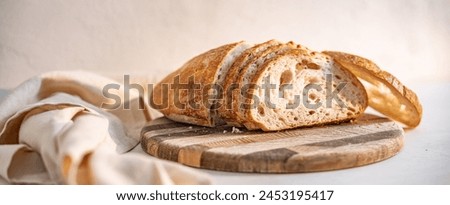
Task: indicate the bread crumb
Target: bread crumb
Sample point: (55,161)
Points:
(190,127)
(224,131)
(235,130)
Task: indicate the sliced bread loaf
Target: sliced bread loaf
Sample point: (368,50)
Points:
(270,86)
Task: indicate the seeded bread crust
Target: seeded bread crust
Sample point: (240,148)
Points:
(386,93)
(301,67)
(204,70)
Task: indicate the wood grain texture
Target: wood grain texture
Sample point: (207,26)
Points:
(367,140)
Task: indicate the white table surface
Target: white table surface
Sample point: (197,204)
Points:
(425,158)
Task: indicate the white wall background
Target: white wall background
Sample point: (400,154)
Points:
(409,38)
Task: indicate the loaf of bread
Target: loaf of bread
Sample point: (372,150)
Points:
(270,86)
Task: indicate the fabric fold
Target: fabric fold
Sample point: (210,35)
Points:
(56,129)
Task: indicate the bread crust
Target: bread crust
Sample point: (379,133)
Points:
(203,70)
(398,102)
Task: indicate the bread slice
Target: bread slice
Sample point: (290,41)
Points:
(249,71)
(186,95)
(321,92)
(386,93)
(228,108)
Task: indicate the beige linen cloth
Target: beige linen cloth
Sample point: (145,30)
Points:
(55,131)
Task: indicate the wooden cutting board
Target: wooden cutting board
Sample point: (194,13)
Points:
(367,140)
